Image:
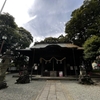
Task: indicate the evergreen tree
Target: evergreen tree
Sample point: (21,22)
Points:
(16,37)
(84,23)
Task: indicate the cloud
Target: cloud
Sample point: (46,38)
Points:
(19,9)
(29,19)
(51,16)
(43,18)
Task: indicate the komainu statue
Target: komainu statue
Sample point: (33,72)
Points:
(24,76)
(4,65)
(83,77)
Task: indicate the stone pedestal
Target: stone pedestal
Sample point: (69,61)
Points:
(24,78)
(3,84)
(85,79)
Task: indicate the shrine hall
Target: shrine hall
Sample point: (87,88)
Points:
(54,59)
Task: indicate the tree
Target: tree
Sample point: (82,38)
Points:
(92,47)
(49,40)
(26,37)
(84,23)
(60,39)
(7,20)
(63,39)
(16,37)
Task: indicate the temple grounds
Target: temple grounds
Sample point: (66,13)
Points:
(50,90)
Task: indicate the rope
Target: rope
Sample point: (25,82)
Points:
(51,59)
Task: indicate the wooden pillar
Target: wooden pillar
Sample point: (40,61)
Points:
(42,68)
(53,65)
(74,60)
(33,56)
(65,72)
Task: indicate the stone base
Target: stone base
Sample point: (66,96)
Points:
(85,79)
(3,85)
(23,80)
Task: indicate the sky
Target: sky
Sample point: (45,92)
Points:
(42,18)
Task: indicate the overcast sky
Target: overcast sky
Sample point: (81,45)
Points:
(43,18)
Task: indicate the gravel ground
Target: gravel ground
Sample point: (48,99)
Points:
(71,89)
(76,91)
(20,91)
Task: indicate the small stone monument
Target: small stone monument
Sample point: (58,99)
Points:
(5,63)
(83,77)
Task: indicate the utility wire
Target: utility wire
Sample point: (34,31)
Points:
(3,6)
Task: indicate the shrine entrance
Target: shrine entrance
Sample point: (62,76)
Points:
(53,67)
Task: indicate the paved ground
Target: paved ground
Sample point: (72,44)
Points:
(49,90)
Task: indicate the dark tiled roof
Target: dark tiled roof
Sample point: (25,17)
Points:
(67,45)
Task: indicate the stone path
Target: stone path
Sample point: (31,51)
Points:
(52,91)
(68,90)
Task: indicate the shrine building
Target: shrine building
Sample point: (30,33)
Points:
(53,59)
